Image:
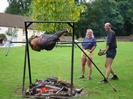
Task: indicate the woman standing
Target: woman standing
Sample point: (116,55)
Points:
(88,45)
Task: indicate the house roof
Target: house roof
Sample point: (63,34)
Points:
(10,20)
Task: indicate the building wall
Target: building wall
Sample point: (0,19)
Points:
(17,34)
(3,30)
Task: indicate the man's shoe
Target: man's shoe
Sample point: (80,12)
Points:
(104,81)
(81,77)
(115,77)
(78,90)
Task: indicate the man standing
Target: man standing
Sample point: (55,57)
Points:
(110,51)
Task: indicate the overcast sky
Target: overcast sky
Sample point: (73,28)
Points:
(3,5)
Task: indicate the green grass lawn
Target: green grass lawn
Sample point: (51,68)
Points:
(57,63)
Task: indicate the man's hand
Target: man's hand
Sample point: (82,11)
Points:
(101,52)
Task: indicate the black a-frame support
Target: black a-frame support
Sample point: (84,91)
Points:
(27,54)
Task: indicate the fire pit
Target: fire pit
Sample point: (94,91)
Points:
(52,88)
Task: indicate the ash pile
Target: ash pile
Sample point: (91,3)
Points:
(52,88)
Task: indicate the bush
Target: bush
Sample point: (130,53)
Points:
(2,38)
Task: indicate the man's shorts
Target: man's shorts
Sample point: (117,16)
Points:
(111,53)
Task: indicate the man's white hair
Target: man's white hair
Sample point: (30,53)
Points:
(108,24)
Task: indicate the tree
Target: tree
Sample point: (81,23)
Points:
(93,18)
(113,15)
(97,13)
(18,7)
(126,10)
(55,10)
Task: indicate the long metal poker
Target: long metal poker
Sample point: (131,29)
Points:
(96,66)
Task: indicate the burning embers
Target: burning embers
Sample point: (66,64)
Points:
(52,87)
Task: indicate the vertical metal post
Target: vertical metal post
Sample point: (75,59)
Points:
(72,59)
(24,73)
(27,55)
(27,50)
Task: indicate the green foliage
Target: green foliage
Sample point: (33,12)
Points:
(89,15)
(2,36)
(118,12)
(92,18)
(55,10)
(126,10)
(18,7)
(113,15)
